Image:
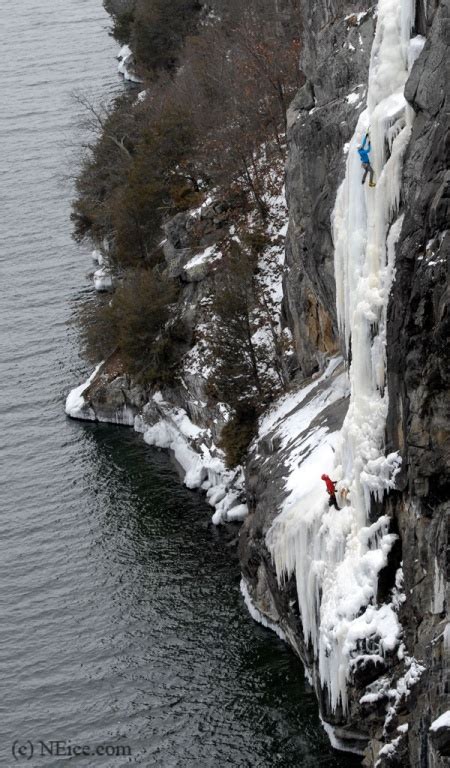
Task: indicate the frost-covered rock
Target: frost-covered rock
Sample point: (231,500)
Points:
(97,257)
(440,736)
(126,65)
(443,721)
(103,280)
(164,425)
(108,395)
(76,405)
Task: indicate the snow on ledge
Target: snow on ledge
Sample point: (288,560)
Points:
(103,280)
(257,615)
(388,750)
(336,742)
(237,513)
(443,721)
(126,60)
(97,257)
(204,468)
(202,258)
(76,406)
(416,45)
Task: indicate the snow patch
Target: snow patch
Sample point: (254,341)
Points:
(439,588)
(202,258)
(126,63)
(76,406)
(388,750)
(402,688)
(416,45)
(237,513)
(97,257)
(142,95)
(355,18)
(353,98)
(443,721)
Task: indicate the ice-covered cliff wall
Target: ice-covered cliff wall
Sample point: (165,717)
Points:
(337,555)
(356,628)
(336,42)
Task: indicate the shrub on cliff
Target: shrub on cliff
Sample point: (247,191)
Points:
(238,375)
(153,188)
(203,126)
(132,177)
(155,29)
(241,357)
(114,132)
(245,358)
(237,435)
(158,31)
(123,25)
(135,322)
(122,13)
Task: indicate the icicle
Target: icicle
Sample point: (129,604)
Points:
(408,10)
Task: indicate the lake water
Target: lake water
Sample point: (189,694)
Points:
(123,627)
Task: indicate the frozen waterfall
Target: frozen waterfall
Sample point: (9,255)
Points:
(336,555)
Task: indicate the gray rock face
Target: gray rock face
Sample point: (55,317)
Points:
(188,235)
(418,377)
(322,118)
(177,246)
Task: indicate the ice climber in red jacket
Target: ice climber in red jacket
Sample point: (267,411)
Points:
(331,488)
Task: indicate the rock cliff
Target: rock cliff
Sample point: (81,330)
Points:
(418,330)
(322,117)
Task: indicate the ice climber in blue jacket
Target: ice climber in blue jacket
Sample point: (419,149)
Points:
(363,152)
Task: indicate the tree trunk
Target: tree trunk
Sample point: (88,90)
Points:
(280,365)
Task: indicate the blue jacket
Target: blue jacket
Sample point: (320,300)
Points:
(363,151)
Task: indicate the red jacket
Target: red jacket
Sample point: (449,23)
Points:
(330,484)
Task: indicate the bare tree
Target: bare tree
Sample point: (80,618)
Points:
(101,120)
